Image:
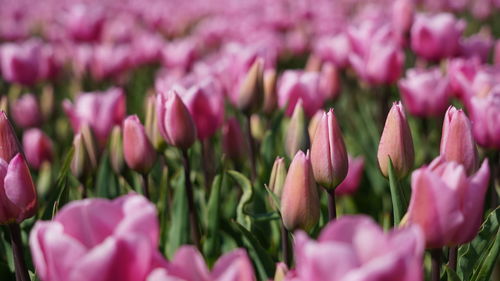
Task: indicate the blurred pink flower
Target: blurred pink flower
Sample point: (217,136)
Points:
(354,174)
(38,147)
(485,116)
(334,49)
(294,85)
(84,22)
(26,111)
(20,62)
(477,45)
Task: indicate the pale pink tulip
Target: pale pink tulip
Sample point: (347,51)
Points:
(38,147)
(138,151)
(351,182)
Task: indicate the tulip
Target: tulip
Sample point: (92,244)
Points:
(138,151)
(295,85)
(180,53)
(26,111)
(328,153)
(278,176)
(477,45)
(446,203)
(461,73)
(457,142)
(19,62)
(110,61)
(496,53)
(251,90)
(98,239)
(234,143)
(100,110)
(425,92)
(402,15)
(84,22)
(334,49)
(297,137)
(84,160)
(351,182)
(188,265)
(396,143)
(356,248)
(434,37)
(116,150)
(151,123)
(270,95)
(176,124)
(329,82)
(38,147)
(313,124)
(299,200)
(258,127)
(9,144)
(485,116)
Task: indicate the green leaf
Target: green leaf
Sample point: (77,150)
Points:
(263,262)
(179,229)
(243,215)
(476,259)
(397,200)
(211,247)
(451,274)
(62,183)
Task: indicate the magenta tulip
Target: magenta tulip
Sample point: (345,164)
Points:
(485,116)
(19,62)
(38,147)
(138,151)
(457,142)
(496,53)
(334,49)
(351,182)
(234,142)
(446,203)
(84,22)
(9,144)
(425,92)
(435,37)
(98,239)
(294,85)
(100,110)
(356,248)
(26,111)
(188,265)
(477,45)
(461,73)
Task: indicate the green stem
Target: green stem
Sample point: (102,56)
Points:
(193,216)
(17,250)
(332,209)
(397,203)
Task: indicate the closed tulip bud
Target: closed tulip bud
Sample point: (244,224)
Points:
(258,127)
(313,124)
(270,95)
(17,191)
(281,272)
(84,160)
(4,102)
(329,82)
(251,89)
(299,200)
(328,153)
(278,176)
(26,111)
(457,142)
(396,143)
(351,182)
(175,123)
(151,123)
(116,150)
(9,144)
(234,143)
(38,147)
(297,137)
(139,153)
(47,102)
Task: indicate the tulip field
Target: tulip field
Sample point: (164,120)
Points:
(249,140)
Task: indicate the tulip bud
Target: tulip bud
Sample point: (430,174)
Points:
(84,160)
(116,149)
(47,102)
(457,142)
(396,143)
(258,127)
(251,88)
(151,123)
(278,176)
(299,199)
(9,144)
(297,137)
(4,101)
(26,111)
(328,153)
(233,141)
(313,124)
(18,198)
(353,178)
(270,95)
(37,147)
(175,123)
(281,272)
(140,154)
(329,81)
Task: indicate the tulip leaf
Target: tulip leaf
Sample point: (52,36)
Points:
(179,229)
(243,215)
(451,274)
(397,200)
(211,245)
(477,259)
(264,264)
(62,183)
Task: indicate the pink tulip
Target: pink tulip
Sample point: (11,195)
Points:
(98,239)
(425,92)
(181,54)
(110,61)
(205,102)
(485,116)
(299,199)
(496,54)
(100,110)
(402,14)
(19,62)
(351,182)
(396,143)
(138,151)
(188,265)
(329,82)
(446,203)
(84,22)
(294,85)
(334,49)
(435,37)
(461,73)
(234,142)
(17,193)
(328,153)
(26,111)
(38,147)
(477,45)
(356,248)
(174,120)
(9,144)
(457,142)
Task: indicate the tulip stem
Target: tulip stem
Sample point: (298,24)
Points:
(452,260)
(145,185)
(397,203)
(436,264)
(207,162)
(17,250)
(252,147)
(332,208)
(193,217)
(285,242)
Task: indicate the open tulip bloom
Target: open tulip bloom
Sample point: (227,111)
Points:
(256,140)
